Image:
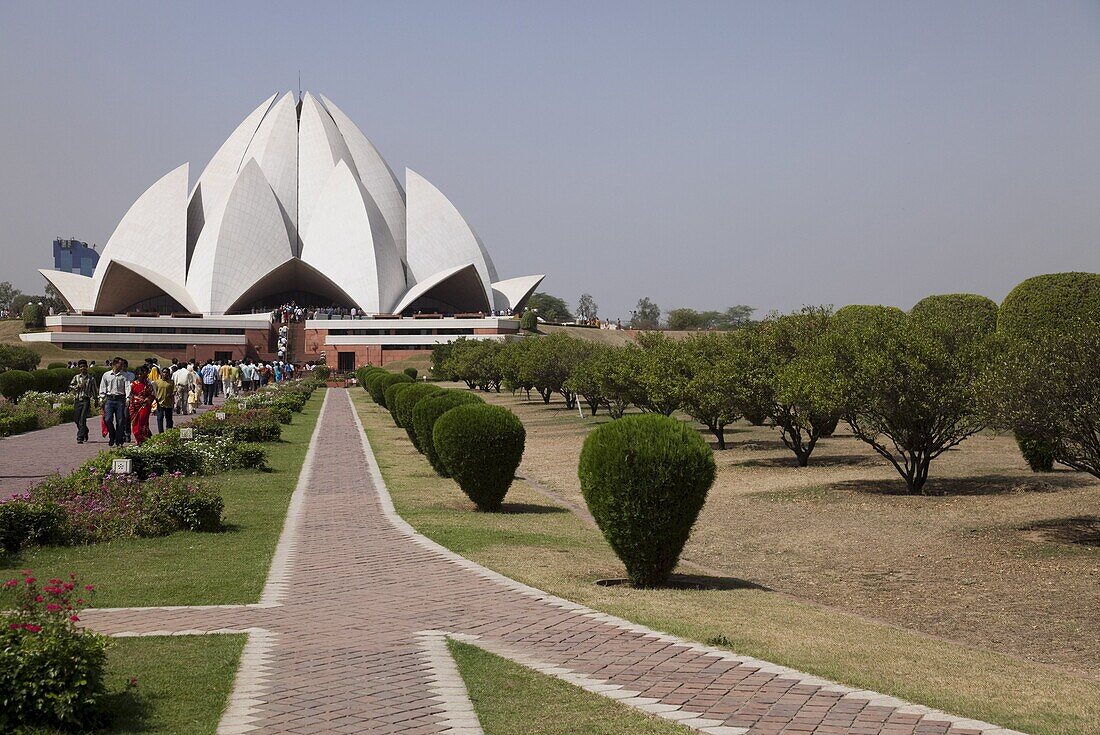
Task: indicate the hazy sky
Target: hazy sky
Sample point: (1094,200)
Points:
(702,154)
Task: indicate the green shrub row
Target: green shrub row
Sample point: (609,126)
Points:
(480,446)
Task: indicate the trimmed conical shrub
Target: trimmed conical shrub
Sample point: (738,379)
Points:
(406,402)
(378,386)
(645,479)
(391,394)
(427,411)
(481,446)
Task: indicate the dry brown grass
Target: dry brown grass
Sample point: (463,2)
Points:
(1003,559)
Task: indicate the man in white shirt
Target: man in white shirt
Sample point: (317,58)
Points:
(113,387)
(183,379)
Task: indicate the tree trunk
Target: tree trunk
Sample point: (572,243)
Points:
(719,432)
(545,393)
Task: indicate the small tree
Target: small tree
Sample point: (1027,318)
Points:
(665,372)
(615,372)
(711,395)
(529,322)
(647,315)
(906,394)
(1049,386)
(8,294)
(587,308)
(33,316)
(549,362)
(550,308)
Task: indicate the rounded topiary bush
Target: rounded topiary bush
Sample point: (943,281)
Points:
(956,318)
(379,385)
(406,401)
(372,383)
(481,447)
(411,372)
(645,479)
(62,377)
(53,365)
(44,380)
(391,394)
(1049,302)
(426,412)
(14,383)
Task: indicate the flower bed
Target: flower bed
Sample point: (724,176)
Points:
(51,671)
(35,410)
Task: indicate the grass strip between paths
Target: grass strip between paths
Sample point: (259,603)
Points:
(548,547)
(510,699)
(190,568)
(183,683)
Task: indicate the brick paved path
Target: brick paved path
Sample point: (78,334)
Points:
(27,458)
(345,641)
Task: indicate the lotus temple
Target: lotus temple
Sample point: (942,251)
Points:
(296,206)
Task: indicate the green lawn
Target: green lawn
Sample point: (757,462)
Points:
(194,568)
(514,700)
(183,683)
(547,547)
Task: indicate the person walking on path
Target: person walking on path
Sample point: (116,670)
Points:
(209,378)
(224,375)
(183,379)
(140,405)
(83,388)
(165,393)
(112,394)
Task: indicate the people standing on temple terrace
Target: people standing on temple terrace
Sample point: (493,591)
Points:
(83,388)
(165,395)
(209,375)
(112,396)
(183,378)
(140,405)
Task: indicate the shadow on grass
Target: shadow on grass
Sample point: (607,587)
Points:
(972,486)
(126,711)
(692,582)
(531,509)
(1077,530)
(816,460)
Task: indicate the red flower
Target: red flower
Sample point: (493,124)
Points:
(52,607)
(89,587)
(74,618)
(32,628)
(39,598)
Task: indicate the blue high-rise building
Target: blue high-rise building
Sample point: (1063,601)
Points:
(74,256)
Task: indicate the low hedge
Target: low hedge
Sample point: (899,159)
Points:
(23,524)
(251,425)
(14,383)
(405,402)
(380,384)
(645,479)
(426,412)
(391,394)
(481,447)
(18,423)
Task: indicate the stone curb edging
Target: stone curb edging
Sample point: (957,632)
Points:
(446,684)
(872,698)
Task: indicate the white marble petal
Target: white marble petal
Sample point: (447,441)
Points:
(439,237)
(126,283)
(246,239)
(513,293)
(348,241)
(460,285)
(78,291)
(153,233)
(375,174)
(217,178)
(275,148)
(320,148)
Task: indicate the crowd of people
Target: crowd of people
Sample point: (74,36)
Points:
(127,399)
(605,324)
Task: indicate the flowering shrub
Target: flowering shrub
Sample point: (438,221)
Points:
(44,399)
(101,507)
(51,671)
(252,425)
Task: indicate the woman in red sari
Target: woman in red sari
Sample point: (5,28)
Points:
(141,405)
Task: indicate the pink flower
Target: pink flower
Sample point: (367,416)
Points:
(89,587)
(74,618)
(39,598)
(53,607)
(11,583)
(32,628)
